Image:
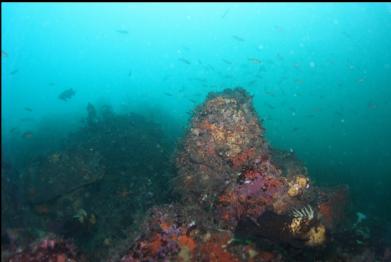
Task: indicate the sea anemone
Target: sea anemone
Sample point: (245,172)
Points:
(306,213)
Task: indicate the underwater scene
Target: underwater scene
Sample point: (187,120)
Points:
(196,132)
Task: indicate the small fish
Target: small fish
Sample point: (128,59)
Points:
(238,38)
(225,13)
(27,135)
(4,53)
(255,60)
(269,93)
(122,31)
(183,60)
(66,94)
(252,82)
(14,72)
(347,35)
(295,129)
(13,130)
(130,73)
(210,67)
(51,84)
(269,106)
(28,109)
(168,94)
(227,62)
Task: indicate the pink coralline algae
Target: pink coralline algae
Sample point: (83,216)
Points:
(250,197)
(51,249)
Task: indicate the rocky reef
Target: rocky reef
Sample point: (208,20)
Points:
(92,188)
(233,190)
(50,248)
(232,198)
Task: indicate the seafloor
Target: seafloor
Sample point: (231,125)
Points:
(118,189)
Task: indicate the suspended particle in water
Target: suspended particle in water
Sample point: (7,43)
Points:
(312,64)
(342,120)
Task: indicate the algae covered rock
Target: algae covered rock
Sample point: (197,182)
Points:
(224,136)
(61,173)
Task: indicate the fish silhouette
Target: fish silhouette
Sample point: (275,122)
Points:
(122,31)
(238,38)
(183,60)
(66,94)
